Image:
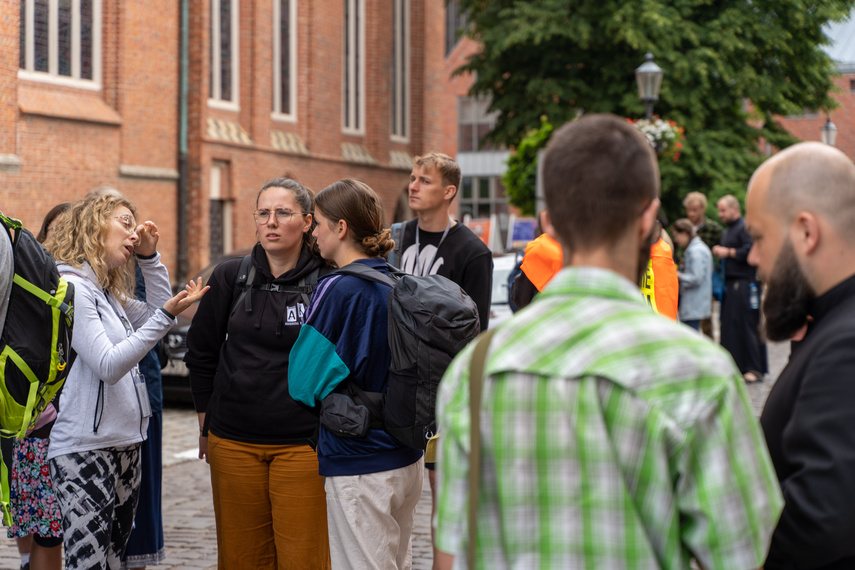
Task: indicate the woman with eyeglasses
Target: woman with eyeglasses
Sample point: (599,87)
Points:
(94,450)
(269,500)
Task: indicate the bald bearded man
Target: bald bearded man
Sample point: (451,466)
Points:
(801,214)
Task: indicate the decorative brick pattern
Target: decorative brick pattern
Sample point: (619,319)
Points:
(402,160)
(289,142)
(356,153)
(228,131)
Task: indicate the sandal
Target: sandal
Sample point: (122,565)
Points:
(752,377)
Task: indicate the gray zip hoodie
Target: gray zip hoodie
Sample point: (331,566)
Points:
(107,350)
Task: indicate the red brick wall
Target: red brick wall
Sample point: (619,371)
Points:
(133,120)
(807,129)
(9,58)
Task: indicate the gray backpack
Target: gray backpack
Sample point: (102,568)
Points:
(431,319)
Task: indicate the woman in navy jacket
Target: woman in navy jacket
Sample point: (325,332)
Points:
(373,483)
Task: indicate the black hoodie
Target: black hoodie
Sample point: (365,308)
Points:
(239,364)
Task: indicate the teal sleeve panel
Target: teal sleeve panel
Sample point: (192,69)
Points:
(315,369)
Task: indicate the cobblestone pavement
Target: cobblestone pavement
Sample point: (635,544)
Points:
(188,510)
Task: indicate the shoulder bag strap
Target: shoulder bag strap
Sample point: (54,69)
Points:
(476,381)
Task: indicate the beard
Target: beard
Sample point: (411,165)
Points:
(788,294)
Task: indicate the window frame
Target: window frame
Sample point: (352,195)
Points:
(401,64)
(215,74)
(497,197)
(277,112)
(52,75)
(353,71)
(472,113)
(219,192)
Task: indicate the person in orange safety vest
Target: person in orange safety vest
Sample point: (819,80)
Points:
(659,285)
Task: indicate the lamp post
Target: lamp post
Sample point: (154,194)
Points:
(828,132)
(649,78)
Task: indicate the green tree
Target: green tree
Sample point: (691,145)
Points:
(520,178)
(731,67)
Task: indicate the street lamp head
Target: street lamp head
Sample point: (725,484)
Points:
(828,132)
(649,78)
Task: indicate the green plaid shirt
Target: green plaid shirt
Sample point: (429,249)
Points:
(611,438)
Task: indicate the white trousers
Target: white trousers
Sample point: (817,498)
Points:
(370,518)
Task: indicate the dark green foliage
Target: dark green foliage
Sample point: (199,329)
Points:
(556,58)
(521,177)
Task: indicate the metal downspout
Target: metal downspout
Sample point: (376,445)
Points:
(183,182)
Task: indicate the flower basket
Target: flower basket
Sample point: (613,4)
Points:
(666,137)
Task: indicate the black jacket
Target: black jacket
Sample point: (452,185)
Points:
(241,382)
(809,422)
(736,236)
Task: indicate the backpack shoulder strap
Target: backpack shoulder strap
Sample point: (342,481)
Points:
(396,256)
(476,381)
(398,237)
(309,283)
(364,272)
(10,223)
(245,274)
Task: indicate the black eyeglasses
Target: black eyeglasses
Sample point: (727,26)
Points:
(282,216)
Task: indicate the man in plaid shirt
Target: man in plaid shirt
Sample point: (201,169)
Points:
(611,437)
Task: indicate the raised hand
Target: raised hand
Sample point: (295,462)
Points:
(192,292)
(148,236)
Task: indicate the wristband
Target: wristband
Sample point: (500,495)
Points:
(167,313)
(152,256)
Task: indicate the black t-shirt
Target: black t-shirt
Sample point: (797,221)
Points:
(462,257)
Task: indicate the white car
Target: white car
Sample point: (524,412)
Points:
(500,309)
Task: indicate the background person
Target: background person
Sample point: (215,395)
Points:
(269,500)
(103,415)
(436,244)
(710,233)
(695,276)
(740,307)
(145,545)
(36,520)
(373,483)
(542,259)
(611,437)
(659,284)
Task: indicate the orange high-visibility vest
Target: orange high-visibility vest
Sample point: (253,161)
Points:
(659,285)
(543,258)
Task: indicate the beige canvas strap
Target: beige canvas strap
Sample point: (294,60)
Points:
(476,381)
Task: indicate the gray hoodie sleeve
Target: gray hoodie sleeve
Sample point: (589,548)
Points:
(102,341)
(157,291)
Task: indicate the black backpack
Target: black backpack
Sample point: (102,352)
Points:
(431,319)
(35,347)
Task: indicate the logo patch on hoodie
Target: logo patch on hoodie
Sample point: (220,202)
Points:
(294,314)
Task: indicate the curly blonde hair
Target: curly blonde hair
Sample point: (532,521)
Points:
(80,235)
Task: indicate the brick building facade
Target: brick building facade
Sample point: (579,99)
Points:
(91,94)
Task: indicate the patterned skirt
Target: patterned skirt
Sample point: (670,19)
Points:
(35,508)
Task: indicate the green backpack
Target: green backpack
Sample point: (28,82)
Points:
(35,346)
